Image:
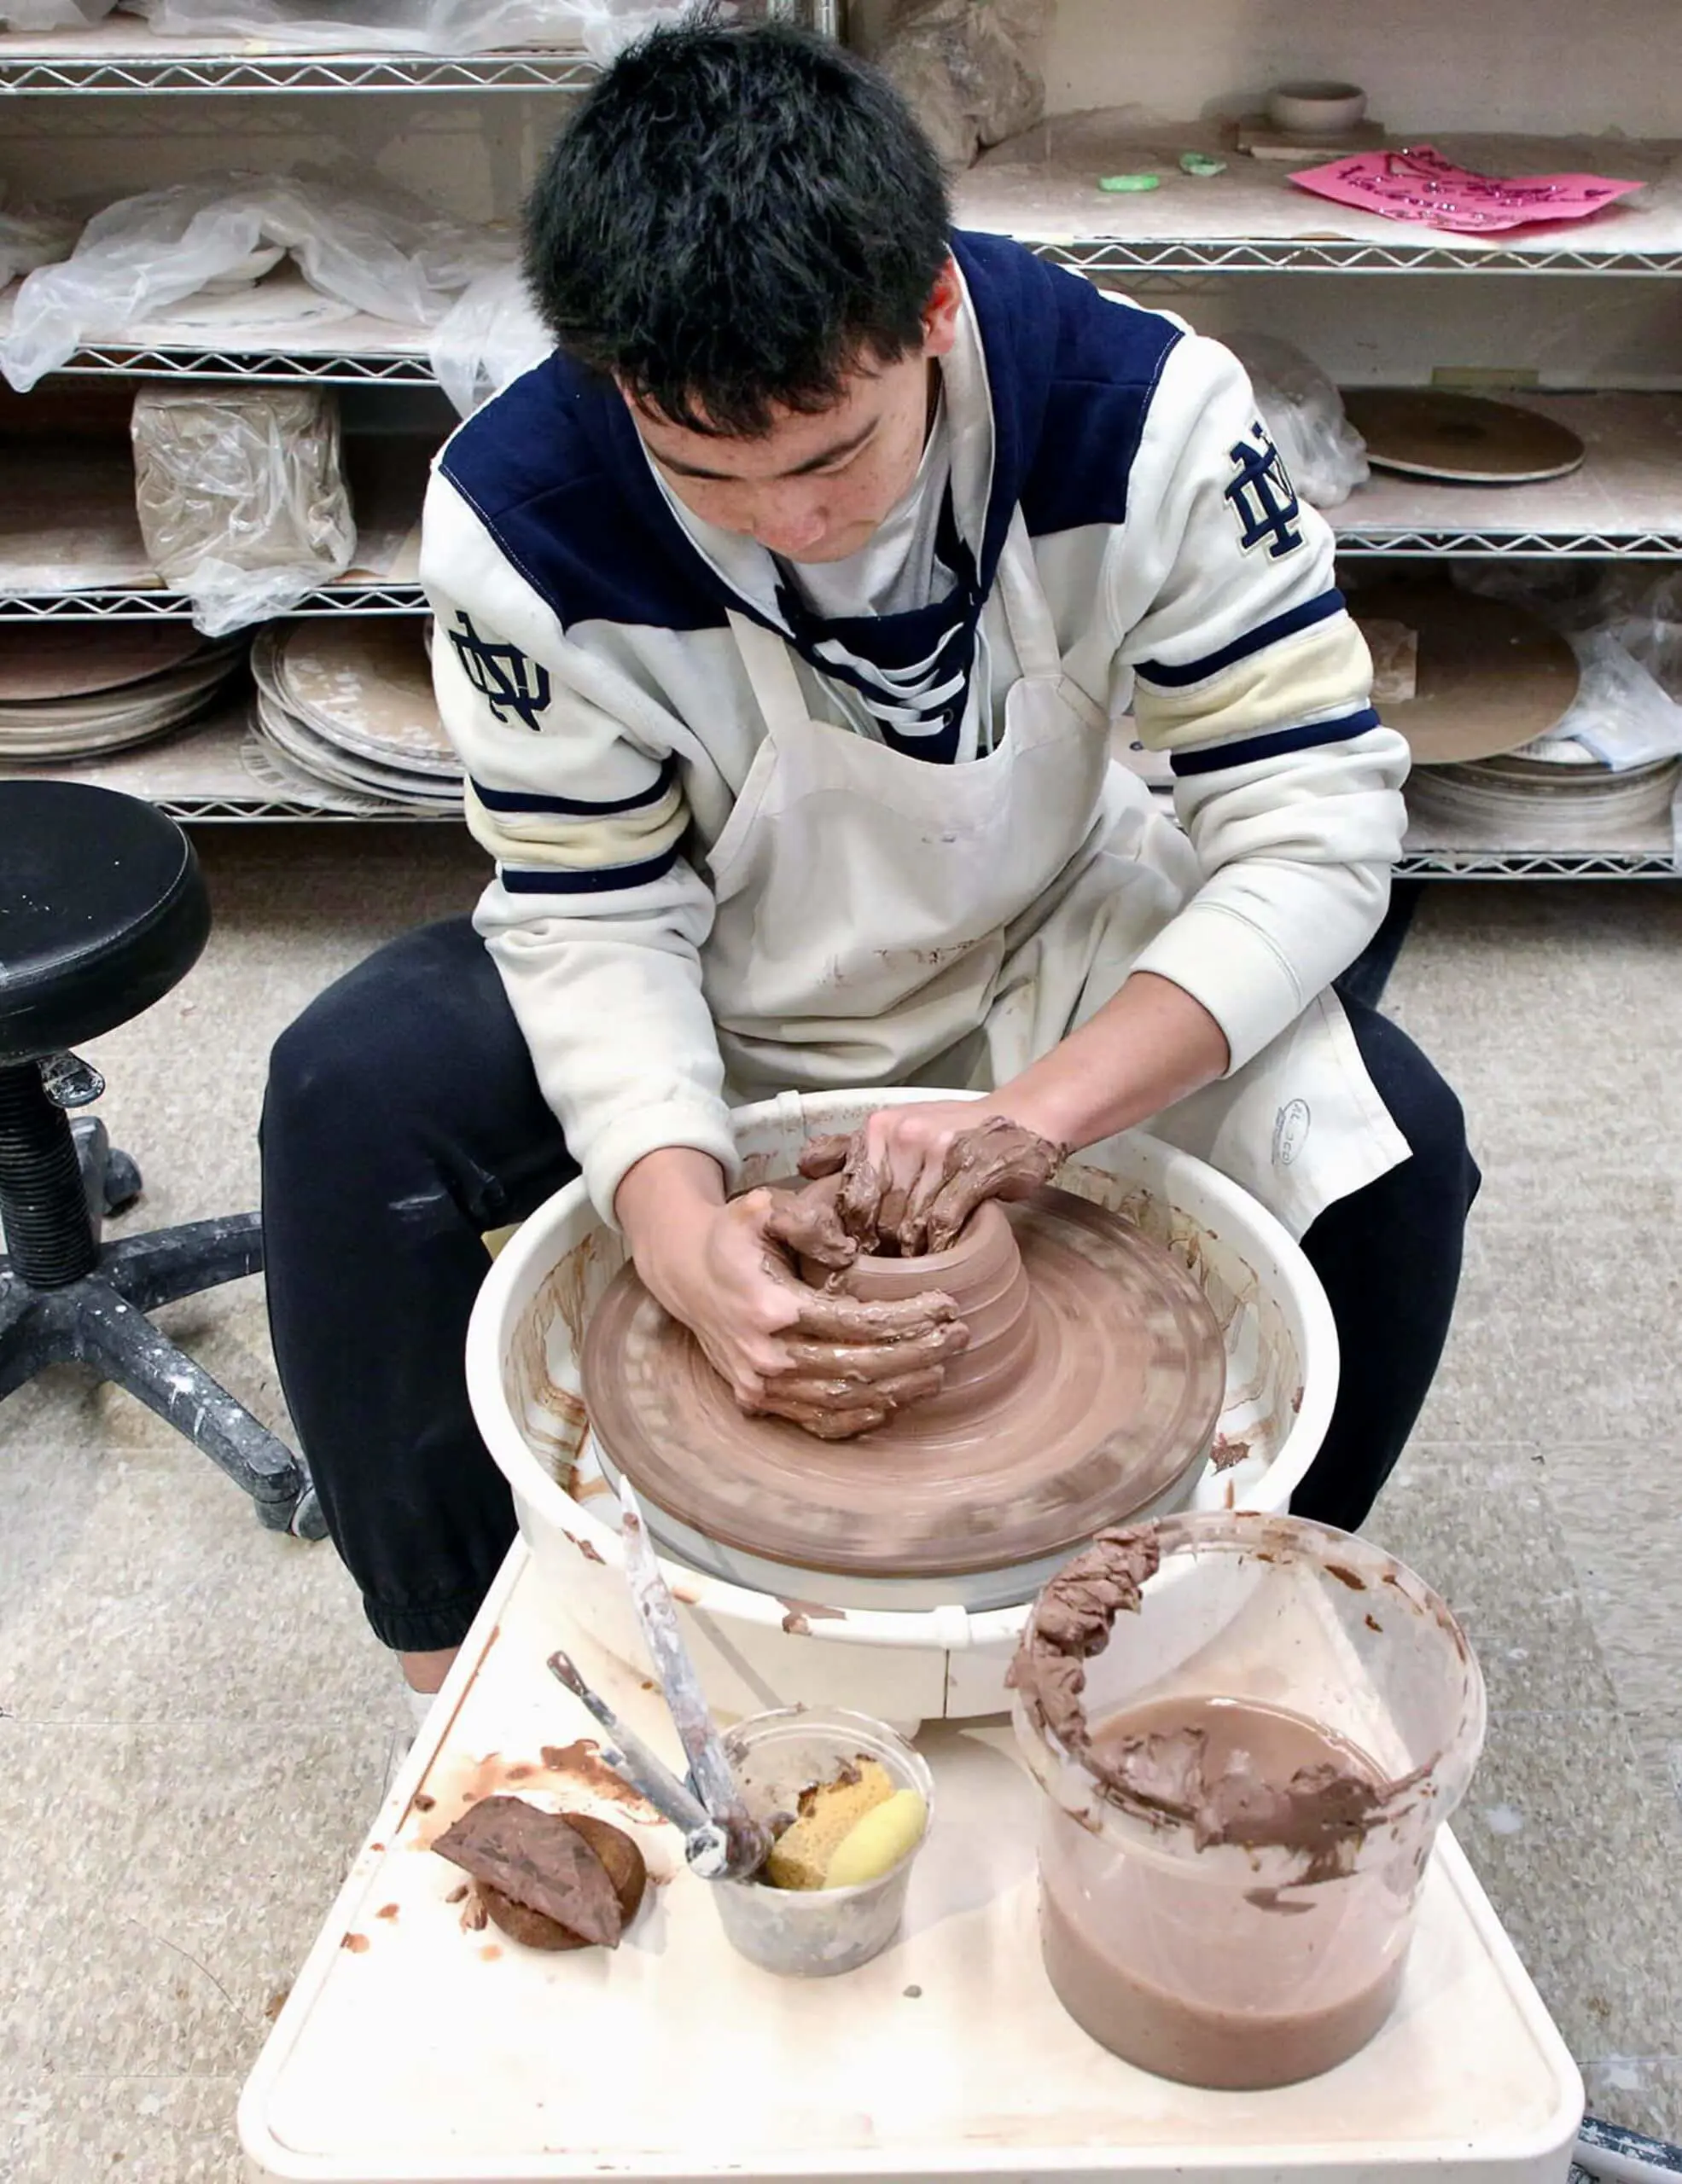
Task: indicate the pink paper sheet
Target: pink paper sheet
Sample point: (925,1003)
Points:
(1420,185)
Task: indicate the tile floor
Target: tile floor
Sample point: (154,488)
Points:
(194,1726)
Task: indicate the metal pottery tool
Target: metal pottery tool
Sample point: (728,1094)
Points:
(722,1841)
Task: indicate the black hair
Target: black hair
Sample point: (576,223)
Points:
(734,219)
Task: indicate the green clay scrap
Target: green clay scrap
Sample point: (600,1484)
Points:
(1130,182)
(1201,163)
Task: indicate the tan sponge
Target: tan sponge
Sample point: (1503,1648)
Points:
(829,1811)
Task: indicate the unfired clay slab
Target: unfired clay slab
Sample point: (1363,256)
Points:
(1460,438)
(1487,676)
(41,662)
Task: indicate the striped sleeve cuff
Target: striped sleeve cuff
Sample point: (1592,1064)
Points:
(1277,743)
(1182,674)
(507,802)
(1308,667)
(548,844)
(585,879)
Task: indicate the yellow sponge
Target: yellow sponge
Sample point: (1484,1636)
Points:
(877,1842)
(828,1812)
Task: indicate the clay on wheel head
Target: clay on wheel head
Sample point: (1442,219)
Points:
(1091,1387)
(982,1274)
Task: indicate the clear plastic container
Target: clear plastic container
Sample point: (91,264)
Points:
(811,1934)
(1245,1967)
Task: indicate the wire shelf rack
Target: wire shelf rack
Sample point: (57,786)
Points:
(133,62)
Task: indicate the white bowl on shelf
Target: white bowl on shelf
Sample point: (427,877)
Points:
(1317,109)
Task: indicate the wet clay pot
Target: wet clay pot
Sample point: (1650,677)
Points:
(1089,1391)
(983,1274)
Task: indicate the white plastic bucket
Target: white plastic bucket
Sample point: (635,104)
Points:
(760,1650)
(1243,1964)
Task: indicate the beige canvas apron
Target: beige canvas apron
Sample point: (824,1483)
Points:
(881,920)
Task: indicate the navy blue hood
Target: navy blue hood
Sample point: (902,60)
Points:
(555,471)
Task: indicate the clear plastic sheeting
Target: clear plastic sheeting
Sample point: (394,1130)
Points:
(241,497)
(490,335)
(1624,625)
(31,239)
(53,15)
(601,26)
(968,69)
(1303,412)
(374,248)
(1621,715)
(452,256)
(1643,608)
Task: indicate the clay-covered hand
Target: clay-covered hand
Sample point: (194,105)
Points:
(1000,1159)
(831,1364)
(916,1174)
(861,1191)
(807,1223)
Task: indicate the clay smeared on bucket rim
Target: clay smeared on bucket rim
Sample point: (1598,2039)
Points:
(1322,1815)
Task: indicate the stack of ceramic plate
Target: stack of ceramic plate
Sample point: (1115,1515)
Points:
(67,691)
(1548,795)
(349,703)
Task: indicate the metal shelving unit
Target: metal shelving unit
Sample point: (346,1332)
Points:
(56,503)
(143,605)
(1625,505)
(217,769)
(121,56)
(254,366)
(1652,860)
(288,344)
(1639,516)
(1115,258)
(1042,188)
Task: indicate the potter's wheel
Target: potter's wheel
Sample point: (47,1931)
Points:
(1100,1402)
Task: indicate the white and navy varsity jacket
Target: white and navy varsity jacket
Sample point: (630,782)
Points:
(587,676)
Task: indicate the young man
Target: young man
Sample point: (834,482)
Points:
(781,621)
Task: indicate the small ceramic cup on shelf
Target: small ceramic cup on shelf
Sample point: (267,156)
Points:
(1317,109)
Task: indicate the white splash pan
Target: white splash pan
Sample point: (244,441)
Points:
(757,1649)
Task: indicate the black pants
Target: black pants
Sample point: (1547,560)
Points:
(403,1120)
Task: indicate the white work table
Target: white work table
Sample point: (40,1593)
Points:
(412,2049)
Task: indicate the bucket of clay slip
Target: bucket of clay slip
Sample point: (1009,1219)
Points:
(813,1933)
(1231,1945)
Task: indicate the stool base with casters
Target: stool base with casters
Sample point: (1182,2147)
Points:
(105,912)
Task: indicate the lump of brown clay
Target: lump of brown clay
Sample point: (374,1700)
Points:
(626,1870)
(549,1881)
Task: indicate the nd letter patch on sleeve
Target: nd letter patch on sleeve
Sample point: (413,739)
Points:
(1262,497)
(504,676)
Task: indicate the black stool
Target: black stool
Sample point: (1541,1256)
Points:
(102,909)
